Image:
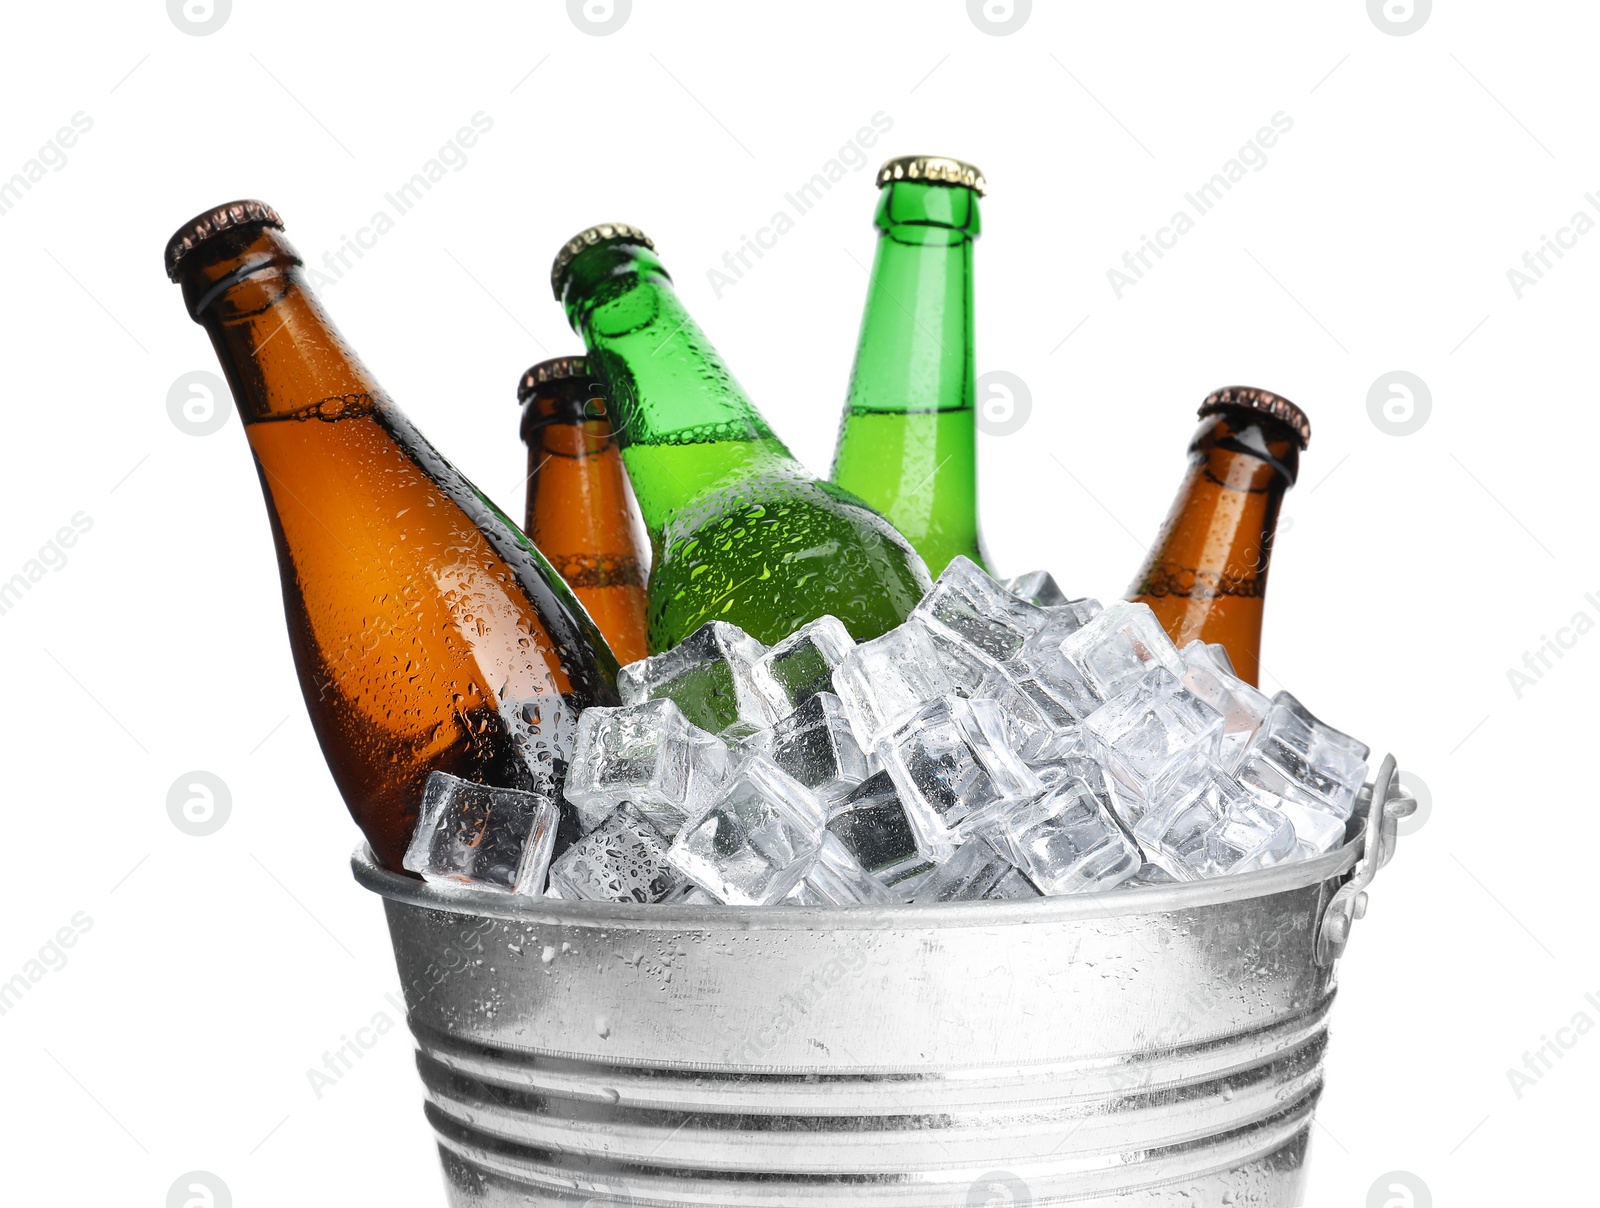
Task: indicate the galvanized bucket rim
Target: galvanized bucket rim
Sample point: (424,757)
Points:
(1116,903)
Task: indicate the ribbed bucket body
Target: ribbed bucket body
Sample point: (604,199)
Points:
(1151,1046)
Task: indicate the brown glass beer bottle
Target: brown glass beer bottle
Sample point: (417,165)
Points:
(427,631)
(1206,575)
(581,512)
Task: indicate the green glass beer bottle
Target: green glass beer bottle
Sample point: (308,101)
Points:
(908,440)
(740,531)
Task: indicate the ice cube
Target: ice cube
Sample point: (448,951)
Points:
(953,770)
(1316,831)
(648,754)
(708,676)
(1067,754)
(756,841)
(1149,874)
(1151,734)
(976,872)
(964,665)
(624,859)
(1242,706)
(1013,887)
(1036,587)
(739,732)
(1035,729)
(969,607)
(801,665)
(816,746)
(1099,659)
(1067,841)
(488,838)
(884,680)
(1309,771)
(1072,615)
(690,894)
(803,895)
(873,827)
(837,878)
(1061,621)
(1216,828)
(1301,762)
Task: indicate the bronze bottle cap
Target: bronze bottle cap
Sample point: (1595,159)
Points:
(557,369)
(1265,401)
(223,218)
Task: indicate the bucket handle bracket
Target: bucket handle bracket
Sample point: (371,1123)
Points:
(1383,804)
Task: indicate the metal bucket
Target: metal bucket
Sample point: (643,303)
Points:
(1152,1046)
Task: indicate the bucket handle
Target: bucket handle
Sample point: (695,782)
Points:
(1382,805)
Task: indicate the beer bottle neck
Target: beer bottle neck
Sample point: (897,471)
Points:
(671,394)
(1206,576)
(282,354)
(915,350)
(567,419)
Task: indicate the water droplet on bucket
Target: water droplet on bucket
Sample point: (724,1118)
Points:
(602,1026)
(610,1095)
(549,954)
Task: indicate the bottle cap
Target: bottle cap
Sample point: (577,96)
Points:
(933,170)
(606,232)
(558,369)
(228,217)
(1254,399)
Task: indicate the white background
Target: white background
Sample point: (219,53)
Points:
(1413,571)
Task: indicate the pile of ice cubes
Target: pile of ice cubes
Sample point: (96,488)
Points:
(1004,742)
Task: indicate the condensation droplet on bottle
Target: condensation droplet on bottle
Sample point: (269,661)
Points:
(549,953)
(602,1027)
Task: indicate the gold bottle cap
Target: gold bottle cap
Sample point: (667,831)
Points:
(933,170)
(1255,399)
(228,217)
(606,232)
(557,369)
